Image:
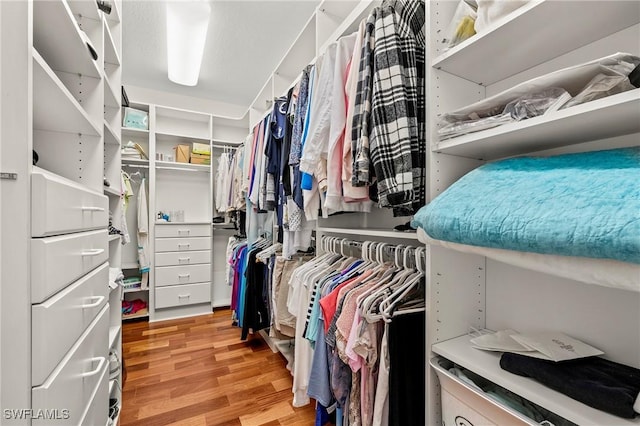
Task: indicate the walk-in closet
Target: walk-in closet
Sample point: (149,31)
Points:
(320,212)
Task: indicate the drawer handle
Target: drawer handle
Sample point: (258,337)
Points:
(98,369)
(184,296)
(92,252)
(184,259)
(183,245)
(92,209)
(184,231)
(184,275)
(94,304)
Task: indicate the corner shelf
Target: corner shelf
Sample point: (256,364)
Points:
(597,20)
(111,98)
(111,192)
(134,162)
(110,136)
(142,313)
(54,108)
(114,332)
(111,55)
(57,37)
(133,132)
(570,126)
(135,290)
(85,9)
(487,365)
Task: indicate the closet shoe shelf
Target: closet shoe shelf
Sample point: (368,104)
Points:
(487,364)
(54,108)
(142,313)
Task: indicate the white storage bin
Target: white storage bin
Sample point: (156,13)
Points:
(74,380)
(71,310)
(189,294)
(170,275)
(464,405)
(182,231)
(58,261)
(182,244)
(183,258)
(61,206)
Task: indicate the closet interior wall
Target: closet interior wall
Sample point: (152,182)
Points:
(473,291)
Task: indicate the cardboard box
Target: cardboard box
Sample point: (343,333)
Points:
(200,159)
(201,148)
(182,153)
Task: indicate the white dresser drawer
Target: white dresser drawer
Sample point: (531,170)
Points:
(98,409)
(72,383)
(189,294)
(58,322)
(58,261)
(182,244)
(177,230)
(172,275)
(60,206)
(183,258)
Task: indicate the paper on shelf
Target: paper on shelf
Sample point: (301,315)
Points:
(552,346)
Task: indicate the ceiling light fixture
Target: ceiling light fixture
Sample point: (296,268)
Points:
(187,23)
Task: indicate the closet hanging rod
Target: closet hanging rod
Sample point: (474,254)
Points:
(225,146)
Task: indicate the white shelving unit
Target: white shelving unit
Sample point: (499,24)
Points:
(467,290)
(56,92)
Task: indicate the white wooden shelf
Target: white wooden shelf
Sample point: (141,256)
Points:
(129,266)
(113,17)
(111,98)
(57,37)
(349,23)
(183,223)
(487,365)
(54,108)
(373,232)
(178,137)
(113,237)
(143,313)
(128,131)
(135,290)
(85,9)
(135,162)
(111,55)
(531,38)
(111,192)
(110,136)
(604,118)
(114,332)
(170,165)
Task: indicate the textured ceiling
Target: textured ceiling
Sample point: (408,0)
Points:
(245,41)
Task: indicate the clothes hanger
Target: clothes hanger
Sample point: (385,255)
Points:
(403,293)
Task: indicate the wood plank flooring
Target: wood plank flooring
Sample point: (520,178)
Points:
(196,371)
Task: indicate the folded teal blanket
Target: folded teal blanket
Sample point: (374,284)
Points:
(585,204)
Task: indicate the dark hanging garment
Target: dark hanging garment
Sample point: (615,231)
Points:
(407,369)
(256,315)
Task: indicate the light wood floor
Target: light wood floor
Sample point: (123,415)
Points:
(197,371)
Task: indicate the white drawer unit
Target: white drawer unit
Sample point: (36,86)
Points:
(183,258)
(58,261)
(99,405)
(182,244)
(182,231)
(189,294)
(60,206)
(71,311)
(72,383)
(172,275)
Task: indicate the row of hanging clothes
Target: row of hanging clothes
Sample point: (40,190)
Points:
(228,195)
(357,324)
(349,133)
(360,333)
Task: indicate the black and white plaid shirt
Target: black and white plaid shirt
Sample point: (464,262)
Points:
(396,140)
